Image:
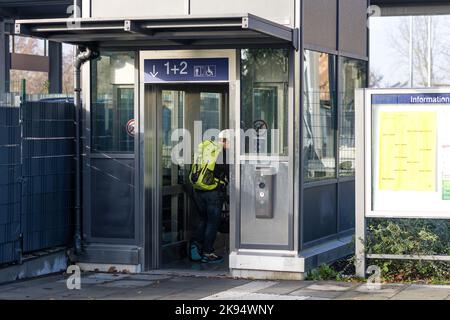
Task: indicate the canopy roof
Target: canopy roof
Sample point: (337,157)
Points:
(238,29)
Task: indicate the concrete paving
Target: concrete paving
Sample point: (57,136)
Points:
(154,286)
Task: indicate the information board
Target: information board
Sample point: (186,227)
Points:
(410,155)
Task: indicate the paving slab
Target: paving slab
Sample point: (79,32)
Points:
(145,293)
(31,293)
(149,277)
(127,283)
(85,293)
(332,286)
(422,292)
(214,284)
(236,295)
(286,287)
(354,295)
(384,289)
(244,290)
(316,293)
(195,294)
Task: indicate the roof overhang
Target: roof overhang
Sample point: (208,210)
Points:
(230,30)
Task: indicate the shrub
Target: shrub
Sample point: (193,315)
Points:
(410,236)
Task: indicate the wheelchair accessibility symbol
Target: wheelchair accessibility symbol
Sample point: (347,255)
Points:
(205,71)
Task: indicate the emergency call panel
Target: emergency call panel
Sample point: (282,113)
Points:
(264,185)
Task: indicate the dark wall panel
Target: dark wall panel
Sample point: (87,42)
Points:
(320,214)
(320,23)
(112,198)
(353,27)
(346,205)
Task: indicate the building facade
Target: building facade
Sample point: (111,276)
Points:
(290,66)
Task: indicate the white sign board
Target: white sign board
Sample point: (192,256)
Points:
(407,154)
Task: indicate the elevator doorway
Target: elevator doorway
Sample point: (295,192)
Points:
(175,107)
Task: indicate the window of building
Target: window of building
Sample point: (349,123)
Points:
(409,51)
(352,75)
(264,101)
(112,102)
(319,118)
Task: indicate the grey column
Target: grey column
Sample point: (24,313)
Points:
(55,67)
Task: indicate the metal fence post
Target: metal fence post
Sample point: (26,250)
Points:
(360,217)
(23,90)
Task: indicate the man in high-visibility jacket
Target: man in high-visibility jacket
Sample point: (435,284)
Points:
(209,178)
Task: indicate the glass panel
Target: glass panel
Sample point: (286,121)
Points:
(319,119)
(210,108)
(440,40)
(352,76)
(172,118)
(409,51)
(264,102)
(112,102)
(173,224)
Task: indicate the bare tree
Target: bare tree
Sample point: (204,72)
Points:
(36,82)
(375,79)
(430,49)
(68,59)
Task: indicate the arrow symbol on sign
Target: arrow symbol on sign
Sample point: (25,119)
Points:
(154,73)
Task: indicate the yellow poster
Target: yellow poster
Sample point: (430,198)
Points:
(407,154)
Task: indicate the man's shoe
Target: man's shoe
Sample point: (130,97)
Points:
(211,258)
(194,252)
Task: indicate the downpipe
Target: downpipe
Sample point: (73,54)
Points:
(83,55)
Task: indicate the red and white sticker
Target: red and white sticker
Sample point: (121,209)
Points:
(130,127)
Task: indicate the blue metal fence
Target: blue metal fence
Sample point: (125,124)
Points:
(36,176)
(48,171)
(10,174)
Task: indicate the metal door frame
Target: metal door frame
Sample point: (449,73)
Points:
(148,126)
(190,89)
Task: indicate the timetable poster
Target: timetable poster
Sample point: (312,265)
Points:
(407,151)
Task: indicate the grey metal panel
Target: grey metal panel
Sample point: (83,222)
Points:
(20,61)
(55,67)
(281,11)
(320,212)
(346,205)
(320,22)
(264,232)
(137,8)
(353,27)
(152,219)
(110,254)
(112,204)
